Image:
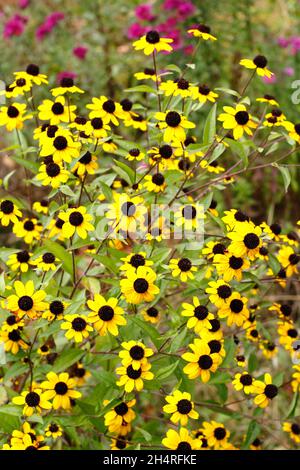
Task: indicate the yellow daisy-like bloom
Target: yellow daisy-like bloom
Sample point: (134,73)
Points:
(56,111)
(233,218)
(189,217)
(199,315)
(12,340)
(220,293)
(277,114)
(229,266)
(235,310)
(288,260)
(11,323)
(44,350)
(25,301)
(134,353)
(134,260)
(76,221)
(19,261)
(66,86)
(265,391)
(119,443)
(273,231)
(33,401)
(77,327)
(20,86)
(202,31)
(87,164)
(42,207)
(203,93)
(9,212)
(53,430)
(132,379)
(155,183)
(32,73)
(152,42)
(106,315)
(181,407)
(174,125)
(26,442)
(216,434)
(139,285)
(135,155)
(212,167)
(269,350)
(55,228)
(62,147)
(243,382)
(151,315)
(52,174)
(55,310)
(293,130)
(137,121)
(284,310)
(259,64)
(238,120)
(213,248)
(28,229)
(246,240)
(80,374)
(293,429)
(98,129)
(180,87)
(60,389)
(121,413)
(147,74)
(183,268)
(201,361)
(13,116)
(269,99)
(106,109)
(127,213)
(181,441)
(296,376)
(46,262)
(288,334)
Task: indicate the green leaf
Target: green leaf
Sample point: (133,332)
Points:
(239,149)
(67,359)
(165,372)
(141,89)
(177,342)
(8,422)
(220,378)
(252,363)
(285,175)
(230,348)
(228,91)
(274,263)
(222,392)
(32,166)
(292,409)
(124,171)
(149,329)
(107,192)
(209,131)
(65,189)
(146,435)
(61,253)
(252,433)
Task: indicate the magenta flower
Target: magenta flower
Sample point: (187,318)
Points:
(171,4)
(289,71)
(24,4)
(270,80)
(49,23)
(80,52)
(14,26)
(136,31)
(144,12)
(283,42)
(65,74)
(186,9)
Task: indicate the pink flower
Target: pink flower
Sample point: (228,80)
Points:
(171,4)
(49,23)
(270,80)
(24,4)
(14,26)
(80,52)
(289,71)
(188,50)
(186,9)
(136,31)
(144,13)
(65,74)
(283,42)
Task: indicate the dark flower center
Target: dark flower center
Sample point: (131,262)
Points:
(97,123)
(120,444)
(189,212)
(106,313)
(260,61)
(184,406)
(60,143)
(241,217)
(28,226)
(126,104)
(76,219)
(109,106)
(215,346)
(235,263)
(44,348)
(205,362)
(215,325)
(128,209)
(52,169)
(121,409)
(251,241)
(297,129)
(254,333)
(184,264)
(152,37)
(149,72)
(67,82)
(7,207)
(294,259)
(51,131)
(224,291)
(140,285)
(11,320)
(59,223)
(204,90)
(137,260)
(276,229)
(286,310)
(86,158)
(133,373)
(57,109)
(48,258)
(134,152)
(78,324)
(25,303)
(203,28)
(173,119)
(246,379)
(271,391)
(242,117)
(263,251)
(32,399)
(80,120)
(201,312)
(184,164)
(292,333)
(21,82)
(152,312)
(183,84)
(166,151)
(12,112)
(184,447)
(14,336)
(137,352)
(53,427)
(33,70)
(219,433)
(295,428)
(158,179)
(61,388)
(219,249)
(236,305)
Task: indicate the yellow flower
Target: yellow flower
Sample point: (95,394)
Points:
(32,73)
(237,119)
(180,441)
(174,125)
(259,63)
(155,183)
(151,315)
(26,301)
(269,99)
(115,418)
(235,310)
(202,31)
(62,147)
(34,401)
(46,262)
(134,353)
(216,434)
(52,174)
(147,74)
(229,266)
(183,268)
(152,42)
(53,430)
(139,285)
(243,382)
(181,407)
(12,340)
(13,116)
(220,293)
(180,87)
(42,207)
(201,362)
(76,221)
(106,315)
(134,260)
(28,229)
(203,93)
(199,315)
(9,212)
(132,379)
(66,86)
(20,260)
(60,389)
(288,260)
(56,111)
(106,109)
(265,391)
(127,213)
(77,327)
(87,164)
(293,429)
(246,240)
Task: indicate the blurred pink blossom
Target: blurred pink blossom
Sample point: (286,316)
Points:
(283,42)
(270,80)
(80,52)
(289,71)
(65,74)
(49,23)
(24,4)
(14,26)
(144,12)
(171,4)
(135,31)
(186,9)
